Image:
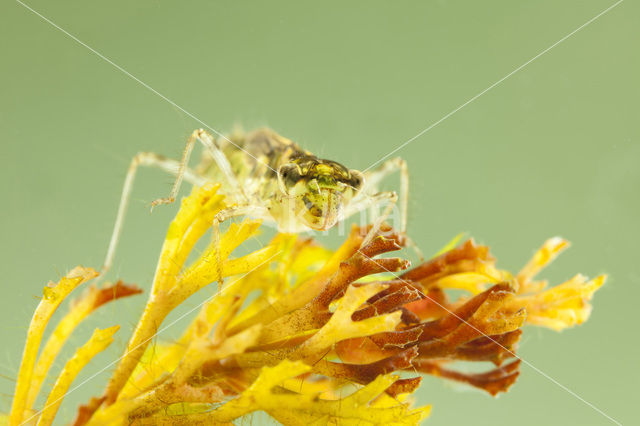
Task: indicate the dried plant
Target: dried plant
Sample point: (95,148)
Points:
(331,337)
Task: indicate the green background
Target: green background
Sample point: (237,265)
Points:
(552,150)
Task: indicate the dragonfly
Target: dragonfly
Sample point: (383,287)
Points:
(266,176)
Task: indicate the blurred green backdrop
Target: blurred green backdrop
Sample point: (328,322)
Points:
(553,150)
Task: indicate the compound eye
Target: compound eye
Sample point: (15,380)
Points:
(289,171)
(288,175)
(357,179)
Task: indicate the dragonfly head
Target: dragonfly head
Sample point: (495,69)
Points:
(319,189)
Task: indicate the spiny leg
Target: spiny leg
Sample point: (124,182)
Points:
(141,159)
(365,202)
(181,171)
(218,156)
(223,215)
(373,179)
(373,202)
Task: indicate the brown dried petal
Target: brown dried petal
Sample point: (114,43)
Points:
(115,291)
(365,373)
(494,381)
(441,327)
(493,348)
(404,386)
(397,339)
(449,262)
(387,303)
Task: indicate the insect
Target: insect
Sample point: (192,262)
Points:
(269,177)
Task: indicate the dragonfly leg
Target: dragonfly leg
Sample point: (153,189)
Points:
(372,202)
(374,177)
(221,160)
(141,159)
(389,198)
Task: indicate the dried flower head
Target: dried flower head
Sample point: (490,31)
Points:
(331,337)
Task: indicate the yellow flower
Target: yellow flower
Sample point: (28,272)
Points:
(331,337)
